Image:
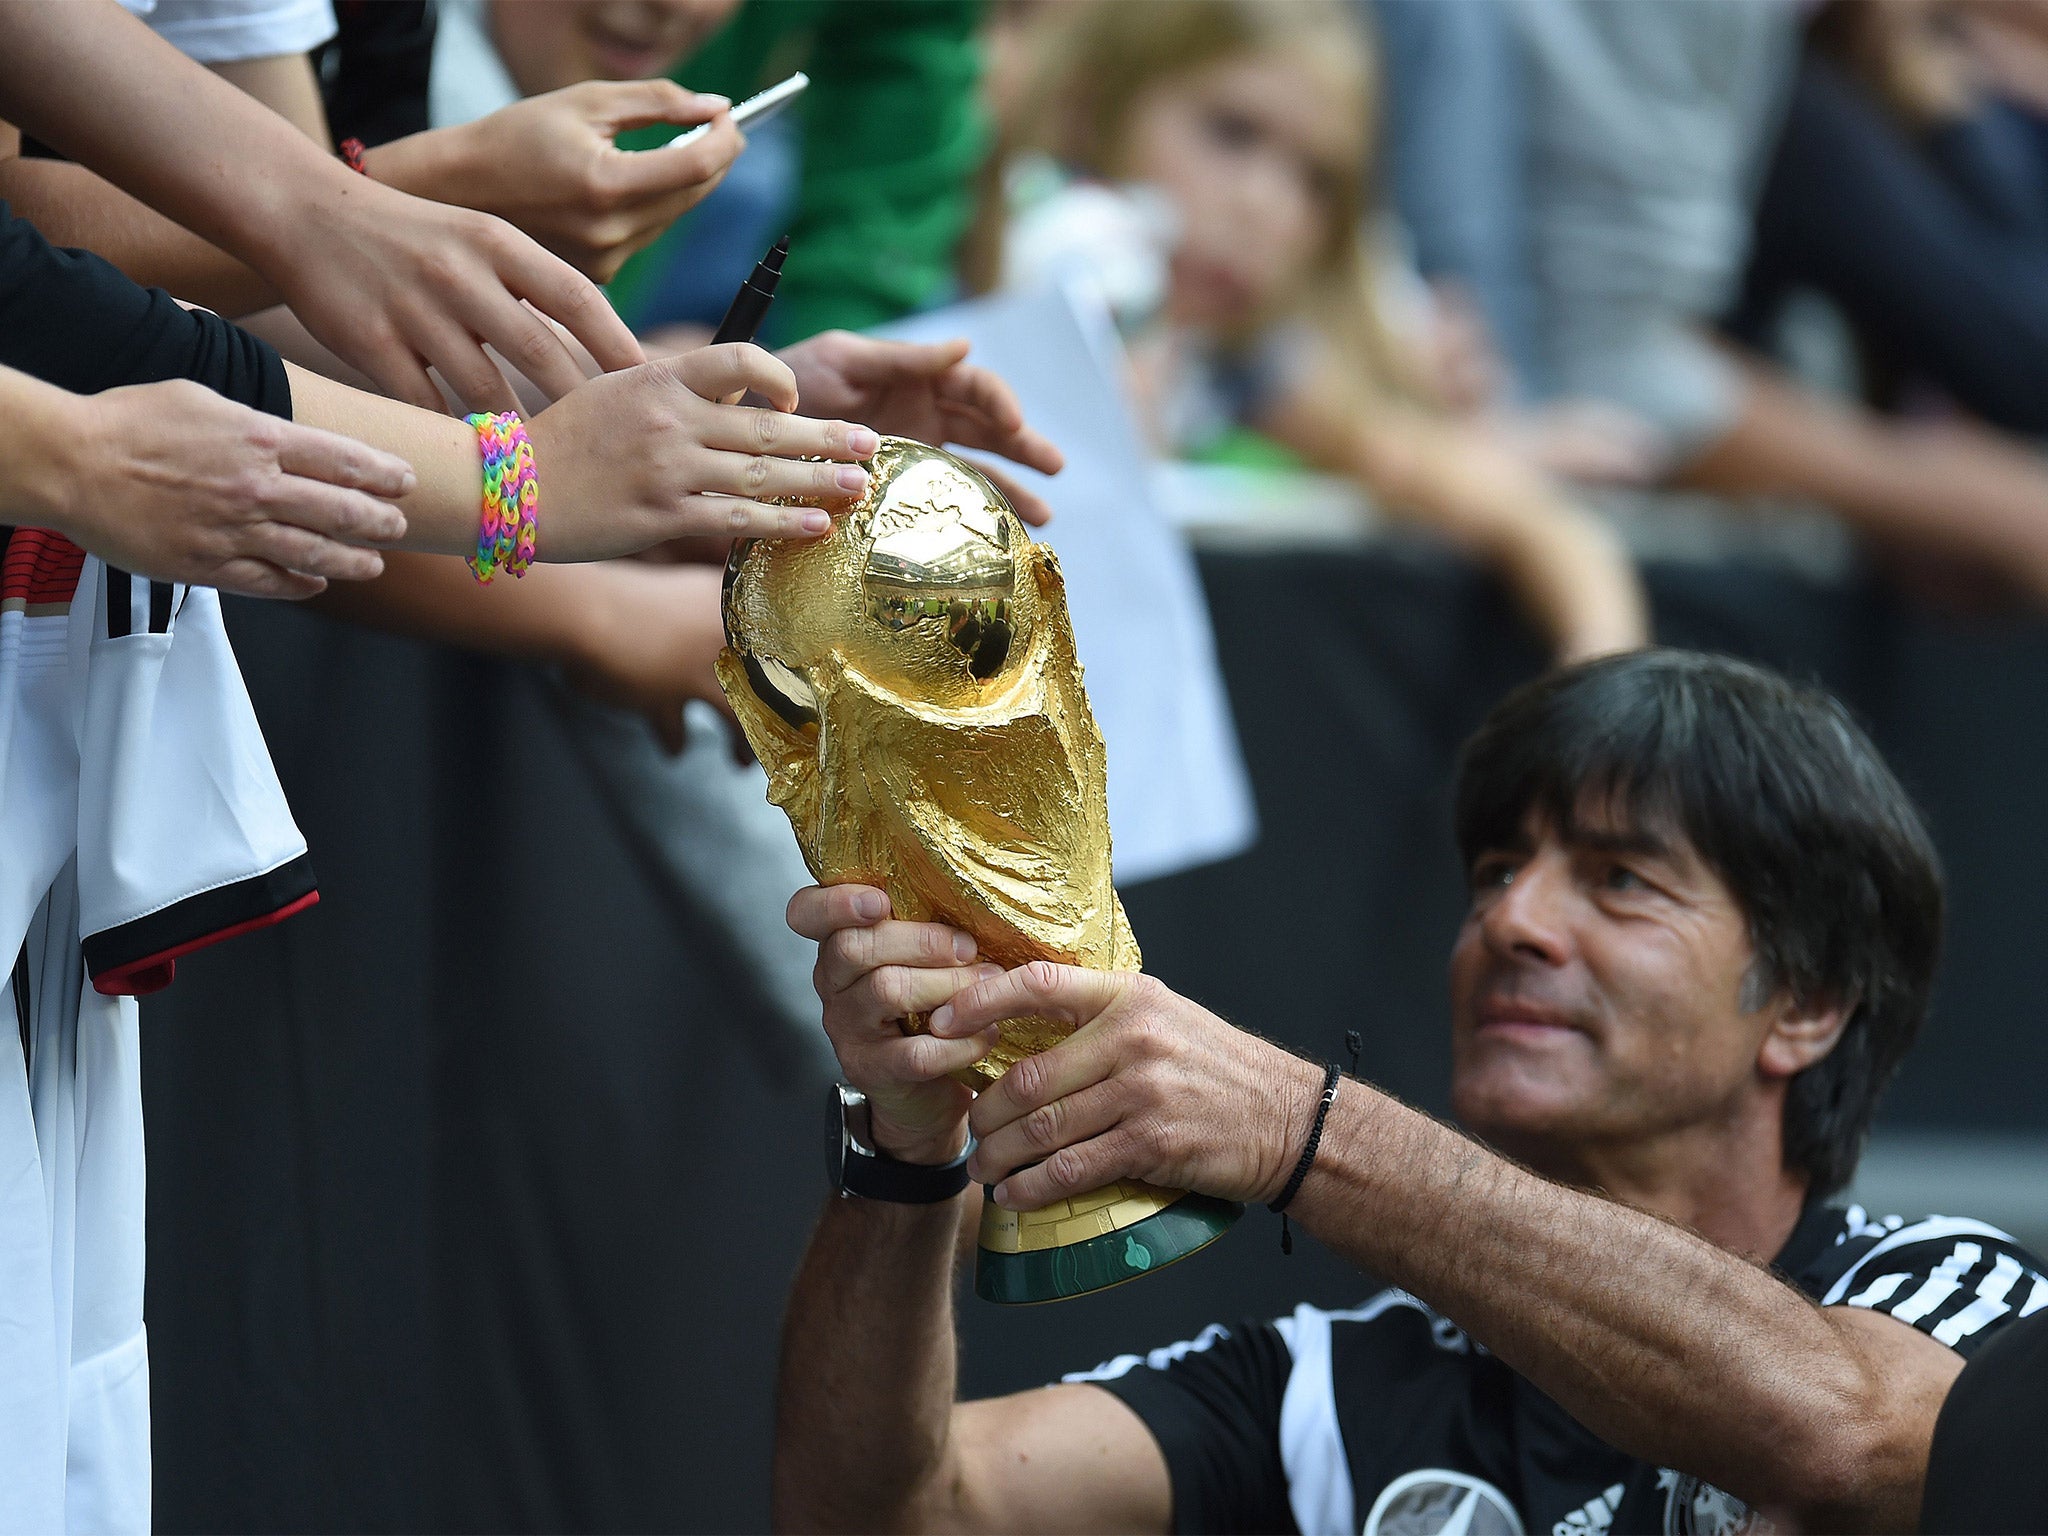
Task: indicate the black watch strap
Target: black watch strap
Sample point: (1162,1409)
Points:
(877,1176)
(871,1175)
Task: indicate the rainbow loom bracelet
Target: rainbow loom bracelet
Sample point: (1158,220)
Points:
(507,531)
(527,501)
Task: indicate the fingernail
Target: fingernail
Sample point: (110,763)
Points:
(817,522)
(716,103)
(1001,1194)
(942,1018)
(987,972)
(870,903)
(963,948)
(862,441)
(851,477)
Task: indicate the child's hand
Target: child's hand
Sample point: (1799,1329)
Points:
(636,458)
(926,392)
(548,165)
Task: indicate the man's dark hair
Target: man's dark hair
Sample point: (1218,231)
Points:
(1779,790)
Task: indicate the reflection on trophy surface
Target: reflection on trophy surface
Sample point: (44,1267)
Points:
(910,684)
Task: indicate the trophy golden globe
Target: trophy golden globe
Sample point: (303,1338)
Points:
(911,686)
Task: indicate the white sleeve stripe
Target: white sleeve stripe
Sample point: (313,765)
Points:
(1319,1487)
(1989,1306)
(1159,1359)
(1946,1280)
(1109,1370)
(1920,1232)
(2037,1298)
(1879,1291)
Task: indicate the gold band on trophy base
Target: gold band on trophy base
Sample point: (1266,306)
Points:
(910,684)
(1093,1241)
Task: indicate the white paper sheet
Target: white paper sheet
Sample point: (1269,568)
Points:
(1178,792)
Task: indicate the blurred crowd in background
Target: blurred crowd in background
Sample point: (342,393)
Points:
(1487,261)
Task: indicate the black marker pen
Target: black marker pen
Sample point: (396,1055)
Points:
(742,321)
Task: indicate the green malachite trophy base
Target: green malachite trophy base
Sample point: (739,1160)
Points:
(1191,1223)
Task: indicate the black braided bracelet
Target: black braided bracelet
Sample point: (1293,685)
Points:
(1315,1139)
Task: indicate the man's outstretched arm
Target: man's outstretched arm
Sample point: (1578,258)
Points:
(868,1435)
(864,1394)
(1661,1342)
(1666,1346)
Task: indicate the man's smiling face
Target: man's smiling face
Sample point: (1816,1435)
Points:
(1597,990)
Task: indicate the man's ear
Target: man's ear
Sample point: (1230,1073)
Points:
(1800,1034)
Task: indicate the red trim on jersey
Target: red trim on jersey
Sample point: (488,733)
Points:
(152,973)
(40,567)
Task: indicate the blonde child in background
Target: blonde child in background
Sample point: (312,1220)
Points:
(1236,138)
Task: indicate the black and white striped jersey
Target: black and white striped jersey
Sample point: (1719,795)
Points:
(1387,1419)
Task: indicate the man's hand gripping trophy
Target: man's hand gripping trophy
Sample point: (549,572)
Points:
(911,685)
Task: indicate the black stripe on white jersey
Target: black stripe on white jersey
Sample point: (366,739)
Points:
(120,603)
(21,998)
(138,606)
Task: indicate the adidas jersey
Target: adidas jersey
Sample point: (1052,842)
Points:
(139,819)
(127,738)
(1388,1420)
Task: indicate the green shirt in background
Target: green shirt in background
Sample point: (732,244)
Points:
(892,136)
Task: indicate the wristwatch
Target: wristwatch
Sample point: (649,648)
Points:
(857,1169)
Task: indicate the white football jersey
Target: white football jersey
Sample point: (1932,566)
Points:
(140,819)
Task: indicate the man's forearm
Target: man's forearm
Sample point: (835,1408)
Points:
(73,207)
(864,1401)
(1668,1347)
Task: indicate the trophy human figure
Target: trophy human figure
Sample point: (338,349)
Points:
(910,684)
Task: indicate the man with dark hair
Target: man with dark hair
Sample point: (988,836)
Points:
(1703,924)
(1778,791)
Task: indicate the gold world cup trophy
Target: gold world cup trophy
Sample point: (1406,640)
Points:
(911,686)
